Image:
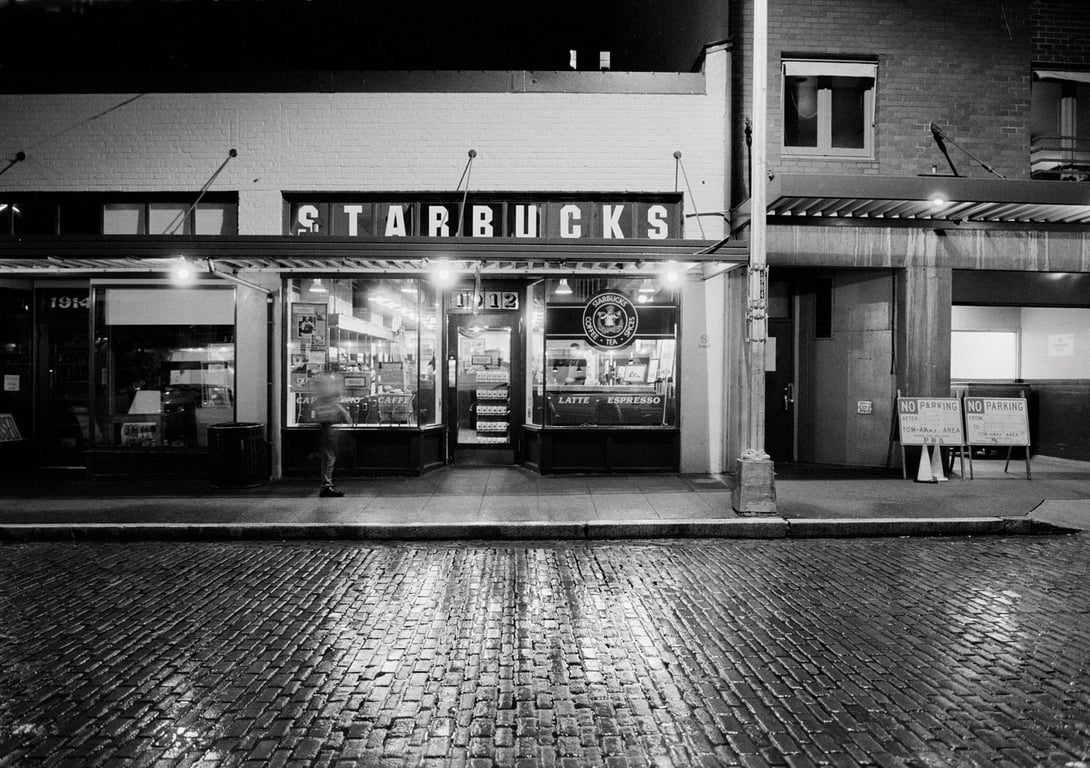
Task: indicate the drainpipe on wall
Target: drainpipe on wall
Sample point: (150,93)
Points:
(754,490)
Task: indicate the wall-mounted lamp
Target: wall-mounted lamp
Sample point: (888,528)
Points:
(443,272)
(183,271)
(671,275)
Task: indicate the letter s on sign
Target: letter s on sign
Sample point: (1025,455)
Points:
(307,218)
(657,226)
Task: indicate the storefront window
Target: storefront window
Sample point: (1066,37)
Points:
(164,365)
(609,356)
(380,337)
(1005,343)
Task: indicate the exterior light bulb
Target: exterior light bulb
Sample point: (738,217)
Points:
(182,271)
(443,273)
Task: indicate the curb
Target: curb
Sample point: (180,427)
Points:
(746,528)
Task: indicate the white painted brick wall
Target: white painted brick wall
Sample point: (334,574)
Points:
(372,142)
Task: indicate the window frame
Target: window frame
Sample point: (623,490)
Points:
(103,397)
(791,66)
(88,209)
(549,338)
(295,414)
(1063,150)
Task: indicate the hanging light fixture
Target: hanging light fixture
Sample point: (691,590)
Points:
(316,286)
(563,289)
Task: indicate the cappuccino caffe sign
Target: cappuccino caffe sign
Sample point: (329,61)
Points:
(610,320)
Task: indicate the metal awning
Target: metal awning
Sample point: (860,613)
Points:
(96,254)
(922,201)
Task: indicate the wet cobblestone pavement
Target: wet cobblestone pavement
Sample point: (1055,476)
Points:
(894,652)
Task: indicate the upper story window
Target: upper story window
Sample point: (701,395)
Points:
(82,213)
(828,107)
(169,218)
(1060,125)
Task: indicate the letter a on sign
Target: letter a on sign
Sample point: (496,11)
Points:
(395,221)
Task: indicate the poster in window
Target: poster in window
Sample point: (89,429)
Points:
(140,433)
(309,325)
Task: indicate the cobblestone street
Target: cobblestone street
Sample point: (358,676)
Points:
(892,652)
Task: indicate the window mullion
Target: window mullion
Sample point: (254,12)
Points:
(825,118)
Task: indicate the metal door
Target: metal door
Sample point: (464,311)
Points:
(780,390)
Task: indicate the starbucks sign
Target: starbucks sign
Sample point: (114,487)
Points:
(609,320)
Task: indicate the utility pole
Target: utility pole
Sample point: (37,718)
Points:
(754,491)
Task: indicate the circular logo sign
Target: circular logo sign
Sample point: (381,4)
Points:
(609,320)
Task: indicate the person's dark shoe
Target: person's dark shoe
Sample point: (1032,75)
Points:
(329,492)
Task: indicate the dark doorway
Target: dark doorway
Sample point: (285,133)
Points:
(63,396)
(780,372)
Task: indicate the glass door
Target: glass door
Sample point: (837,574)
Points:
(63,377)
(482,374)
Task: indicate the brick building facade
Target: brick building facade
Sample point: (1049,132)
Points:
(873,285)
(567,144)
(903,281)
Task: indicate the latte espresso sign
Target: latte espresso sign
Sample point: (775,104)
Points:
(610,320)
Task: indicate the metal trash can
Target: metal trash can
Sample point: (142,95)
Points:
(236,455)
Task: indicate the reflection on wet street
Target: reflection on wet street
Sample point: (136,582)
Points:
(911,652)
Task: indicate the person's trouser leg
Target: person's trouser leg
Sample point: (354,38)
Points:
(328,446)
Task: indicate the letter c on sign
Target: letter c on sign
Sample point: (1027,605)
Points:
(569,214)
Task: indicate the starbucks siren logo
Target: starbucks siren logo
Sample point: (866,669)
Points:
(609,320)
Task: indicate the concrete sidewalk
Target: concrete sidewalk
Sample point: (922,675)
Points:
(513,503)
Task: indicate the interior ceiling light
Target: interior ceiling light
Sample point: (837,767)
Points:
(647,286)
(317,287)
(563,289)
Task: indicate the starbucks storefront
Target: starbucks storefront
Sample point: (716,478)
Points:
(559,374)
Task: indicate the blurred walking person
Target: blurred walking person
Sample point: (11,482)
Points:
(328,411)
